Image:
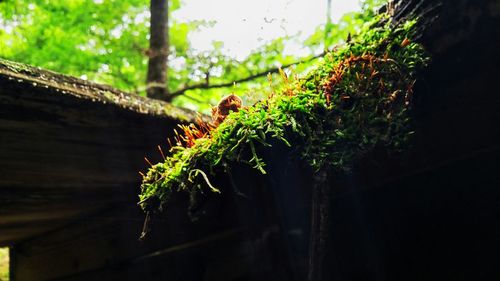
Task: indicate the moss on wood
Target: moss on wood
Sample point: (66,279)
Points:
(356,99)
(71,86)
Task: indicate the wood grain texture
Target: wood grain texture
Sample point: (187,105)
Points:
(70,147)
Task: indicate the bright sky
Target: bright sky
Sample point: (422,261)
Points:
(244,25)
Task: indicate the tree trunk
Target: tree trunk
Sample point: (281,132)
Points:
(156,83)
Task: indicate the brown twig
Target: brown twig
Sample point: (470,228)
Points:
(205,85)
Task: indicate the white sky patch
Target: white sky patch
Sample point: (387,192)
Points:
(104,68)
(117,31)
(245,25)
(176,62)
(142,18)
(8,28)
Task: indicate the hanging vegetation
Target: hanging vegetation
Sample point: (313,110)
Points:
(354,100)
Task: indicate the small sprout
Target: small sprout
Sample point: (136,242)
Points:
(161,152)
(147,161)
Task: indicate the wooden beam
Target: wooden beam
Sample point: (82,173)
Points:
(69,147)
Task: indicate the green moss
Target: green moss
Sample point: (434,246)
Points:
(14,66)
(356,99)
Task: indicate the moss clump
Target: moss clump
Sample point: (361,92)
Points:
(356,99)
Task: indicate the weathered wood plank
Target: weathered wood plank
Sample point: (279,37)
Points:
(61,86)
(106,245)
(248,239)
(373,232)
(228,256)
(28,211)
(69,147)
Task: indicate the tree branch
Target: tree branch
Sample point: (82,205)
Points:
(206,85)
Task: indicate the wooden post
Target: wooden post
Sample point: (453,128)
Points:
(320,223)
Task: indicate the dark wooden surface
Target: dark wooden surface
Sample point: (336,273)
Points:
(234,238)
(69,147)
(438,224)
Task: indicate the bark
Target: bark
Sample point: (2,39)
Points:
(156,82)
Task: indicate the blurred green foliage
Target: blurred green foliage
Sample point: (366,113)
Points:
(106,41)
(4,264)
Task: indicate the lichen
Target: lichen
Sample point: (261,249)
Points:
(356,99)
